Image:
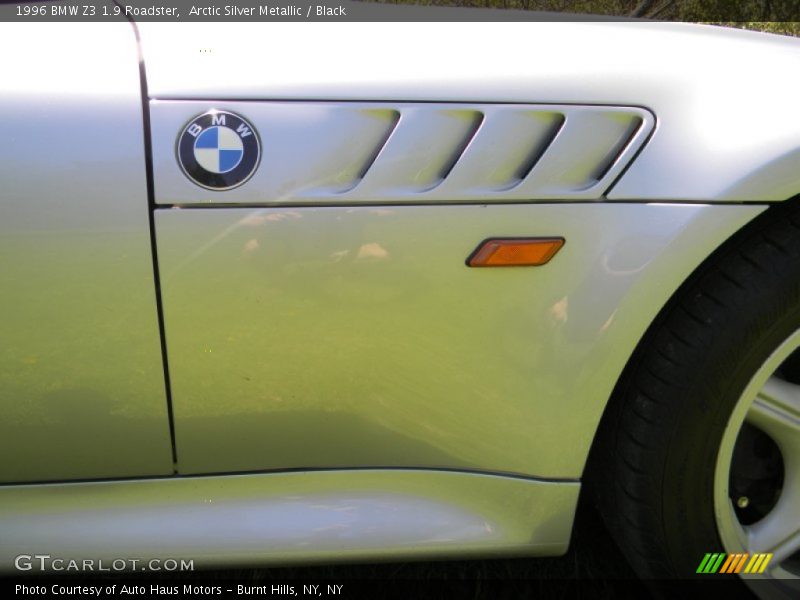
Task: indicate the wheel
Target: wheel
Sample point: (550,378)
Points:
(698,452)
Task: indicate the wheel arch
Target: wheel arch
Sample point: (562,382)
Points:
(599,451)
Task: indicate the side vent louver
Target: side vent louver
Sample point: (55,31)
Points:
(389,119)
(632,126)
(472,123)
(341,152)
(555,122)
(411,163)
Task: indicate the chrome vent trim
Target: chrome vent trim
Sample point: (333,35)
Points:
(349,152)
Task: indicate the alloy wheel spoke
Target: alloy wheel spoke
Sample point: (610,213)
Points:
(780,542)
(776,411)
(779,531)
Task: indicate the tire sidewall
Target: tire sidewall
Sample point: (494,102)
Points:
(755,328)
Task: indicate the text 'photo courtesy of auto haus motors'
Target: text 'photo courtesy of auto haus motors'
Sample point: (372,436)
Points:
(185,589)
(414,305)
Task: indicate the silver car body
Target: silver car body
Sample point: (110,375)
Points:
(339,385)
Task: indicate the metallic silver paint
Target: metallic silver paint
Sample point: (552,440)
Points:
(725,99)
(357,336)
(386,349)
(363,153)
(290,517)
(81,380)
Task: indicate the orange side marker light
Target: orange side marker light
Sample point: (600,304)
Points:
(515,252)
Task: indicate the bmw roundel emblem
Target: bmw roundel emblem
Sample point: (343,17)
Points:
(219,150)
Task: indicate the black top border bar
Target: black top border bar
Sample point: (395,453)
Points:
(379,11)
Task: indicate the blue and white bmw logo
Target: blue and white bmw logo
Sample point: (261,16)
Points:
(219,150)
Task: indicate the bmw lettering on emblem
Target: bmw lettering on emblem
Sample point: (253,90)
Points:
(219,150)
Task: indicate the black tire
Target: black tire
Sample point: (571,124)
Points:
(651,469)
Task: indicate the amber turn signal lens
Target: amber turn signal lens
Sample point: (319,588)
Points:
(515,252)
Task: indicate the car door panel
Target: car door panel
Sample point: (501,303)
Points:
(82,391)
